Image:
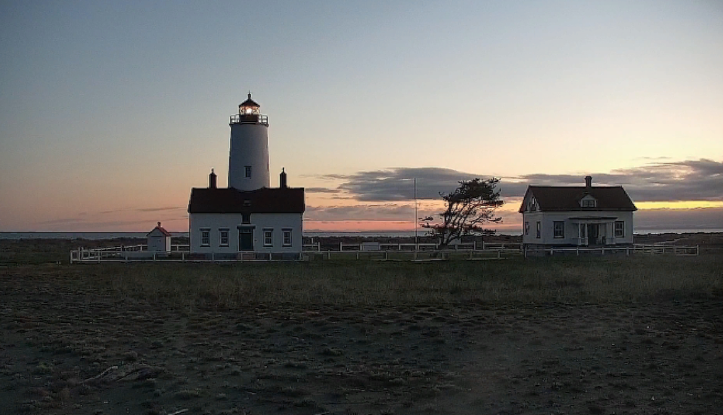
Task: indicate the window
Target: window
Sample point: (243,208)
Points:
(527,228)
(205,237)
(539,229)
(246,218)
(287,237)
(588,203)
(268,237)
(619,229)
(247,171)
(559,229)
(223,237)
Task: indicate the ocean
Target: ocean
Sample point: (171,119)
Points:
(371,234)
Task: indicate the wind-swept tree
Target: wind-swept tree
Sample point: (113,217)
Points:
(467,208)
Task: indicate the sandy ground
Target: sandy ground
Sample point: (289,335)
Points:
(66,350)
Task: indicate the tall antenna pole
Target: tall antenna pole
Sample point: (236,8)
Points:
(416,237)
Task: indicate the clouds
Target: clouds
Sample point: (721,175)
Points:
(671,219)
(657,181)
(397,184)
(113,220)
(380,212)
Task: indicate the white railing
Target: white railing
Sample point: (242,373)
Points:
(249,118)
(384,246)
(385,251)
(607,250)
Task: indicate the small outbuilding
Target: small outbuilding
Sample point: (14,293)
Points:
(159,239)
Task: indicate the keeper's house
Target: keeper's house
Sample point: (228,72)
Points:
(577,215)
(229,221)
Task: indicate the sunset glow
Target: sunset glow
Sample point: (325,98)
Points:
(541,93)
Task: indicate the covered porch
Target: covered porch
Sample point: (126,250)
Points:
(595,230)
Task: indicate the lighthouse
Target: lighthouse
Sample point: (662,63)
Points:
(249,219)
(248,161)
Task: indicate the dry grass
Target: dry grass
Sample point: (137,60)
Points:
(566,280)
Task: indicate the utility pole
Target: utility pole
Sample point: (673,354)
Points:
(416,237)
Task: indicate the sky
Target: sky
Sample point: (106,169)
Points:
(110,112)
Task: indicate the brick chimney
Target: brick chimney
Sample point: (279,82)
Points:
(282,179)
(212,180)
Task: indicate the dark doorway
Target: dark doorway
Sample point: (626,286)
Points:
(592,233)
(246,239)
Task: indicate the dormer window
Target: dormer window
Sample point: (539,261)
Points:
(588,202)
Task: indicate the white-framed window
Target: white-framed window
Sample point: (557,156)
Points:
(589,203)
(539,229)
(558,229)
(223,237)
(286,241)
(268,237)
(247,172)
(527,228)
(245,218)
(205,237)
(619,229)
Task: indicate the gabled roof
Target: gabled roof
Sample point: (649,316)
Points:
(567,198)
(160,229)
(230,200)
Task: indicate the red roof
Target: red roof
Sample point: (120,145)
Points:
(567,198)
(161,229)
(230,200)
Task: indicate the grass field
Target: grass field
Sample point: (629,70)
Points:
(593,335)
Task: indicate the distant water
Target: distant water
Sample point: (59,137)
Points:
(78,235)
(369,234)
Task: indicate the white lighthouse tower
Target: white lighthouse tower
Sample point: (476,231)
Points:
(248,162)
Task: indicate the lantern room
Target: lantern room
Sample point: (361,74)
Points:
(249,113)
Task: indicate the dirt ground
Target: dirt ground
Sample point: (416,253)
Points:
(66,350)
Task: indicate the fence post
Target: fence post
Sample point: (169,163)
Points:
(697,250)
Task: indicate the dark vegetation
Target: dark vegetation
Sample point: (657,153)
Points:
(588,335)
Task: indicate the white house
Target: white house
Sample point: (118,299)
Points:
(159,239)
(248,217)
(577,215)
